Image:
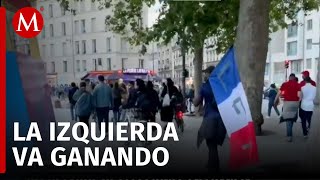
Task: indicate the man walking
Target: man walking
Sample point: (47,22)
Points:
(291,99)
(308,93)
(102,99)
(72,102)
(212,128)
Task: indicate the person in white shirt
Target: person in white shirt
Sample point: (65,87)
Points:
(308,92)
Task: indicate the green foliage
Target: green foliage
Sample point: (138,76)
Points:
(191,21)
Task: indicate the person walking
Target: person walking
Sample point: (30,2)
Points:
(291,100)
(132,96)
(89,85)
(306,76)
(167,107)
(116,94)
(103,101)
(72,102)
(153,95)
(308,94)
(273,102)
(212,128)
(84,106)
(190,99)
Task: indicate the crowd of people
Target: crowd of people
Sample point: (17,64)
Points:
(119,97)
(98,100)
(298,101)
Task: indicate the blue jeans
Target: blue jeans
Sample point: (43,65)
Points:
(289,128)
(72,110)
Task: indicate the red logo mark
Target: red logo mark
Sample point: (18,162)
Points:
(27,22)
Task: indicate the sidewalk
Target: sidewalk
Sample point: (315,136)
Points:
(275,153)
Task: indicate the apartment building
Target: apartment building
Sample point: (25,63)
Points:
(299,44)
(170,60)
(72,45)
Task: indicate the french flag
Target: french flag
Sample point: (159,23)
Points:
(235,112)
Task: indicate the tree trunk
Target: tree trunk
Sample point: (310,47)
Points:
(198,61)
(251,50)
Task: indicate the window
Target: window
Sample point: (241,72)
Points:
(141,61)
(53,67)
(123,60)
(43,33)
(27,49)
(82,6)
(50,10)
(65,66)
(63,11)
(309,43)
(76,27)
(309,63)
(77,47)
(108,44)
(292,30)
(78,65)
(296,66)
(140,23)
(84,47)
(123,45)
(63,25)
(83,26)
(93,24)
(51,50)
(84,65)
(44,48)
(51,30)
(93,6)
(292,48)
(266,72)
(94,46)
(95,64)
(109,64)
(64,48)
(99,62)
(309,24)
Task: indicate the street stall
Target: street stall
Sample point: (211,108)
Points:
(126,75)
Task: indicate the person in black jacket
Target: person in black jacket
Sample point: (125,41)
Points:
(153,95)
(167,112)
(72,102)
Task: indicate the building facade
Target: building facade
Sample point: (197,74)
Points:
(299,44)
(170,60)
(73,44)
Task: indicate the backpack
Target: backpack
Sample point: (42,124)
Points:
(84,105)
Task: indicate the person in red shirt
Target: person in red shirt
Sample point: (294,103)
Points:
(306,75)
(291,98)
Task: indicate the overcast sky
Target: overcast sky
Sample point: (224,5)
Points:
(153,13)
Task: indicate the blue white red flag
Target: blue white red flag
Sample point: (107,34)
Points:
(235,112)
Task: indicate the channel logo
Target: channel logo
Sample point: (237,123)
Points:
(27,22)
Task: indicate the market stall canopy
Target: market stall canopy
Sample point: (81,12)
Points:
(93,75)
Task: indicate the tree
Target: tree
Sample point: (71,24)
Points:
(194,21)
